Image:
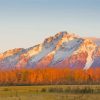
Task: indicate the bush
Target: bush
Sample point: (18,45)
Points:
(55,90)
(43,90)
(5,89)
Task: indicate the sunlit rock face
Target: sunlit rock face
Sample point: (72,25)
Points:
(59,51)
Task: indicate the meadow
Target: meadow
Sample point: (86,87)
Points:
(50,92)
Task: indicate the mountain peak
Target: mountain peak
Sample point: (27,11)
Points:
(64,34)
(61,35)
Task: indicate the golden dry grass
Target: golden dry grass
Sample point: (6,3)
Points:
(51,92)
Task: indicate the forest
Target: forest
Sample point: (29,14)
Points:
(49,76)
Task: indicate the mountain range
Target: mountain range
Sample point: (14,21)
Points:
(59,51)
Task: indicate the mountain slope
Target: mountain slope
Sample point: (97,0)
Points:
(61,50)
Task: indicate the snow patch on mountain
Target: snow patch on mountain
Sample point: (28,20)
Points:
(27,55)
(66,50)
(10,61)
(48,46)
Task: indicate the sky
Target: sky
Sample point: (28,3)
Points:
(24,23)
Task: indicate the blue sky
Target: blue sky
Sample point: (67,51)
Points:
(24,23)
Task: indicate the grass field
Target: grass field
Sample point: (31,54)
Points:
(50,92)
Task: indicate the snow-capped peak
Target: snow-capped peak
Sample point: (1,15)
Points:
(66,48)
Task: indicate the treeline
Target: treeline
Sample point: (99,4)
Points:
(50,76)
